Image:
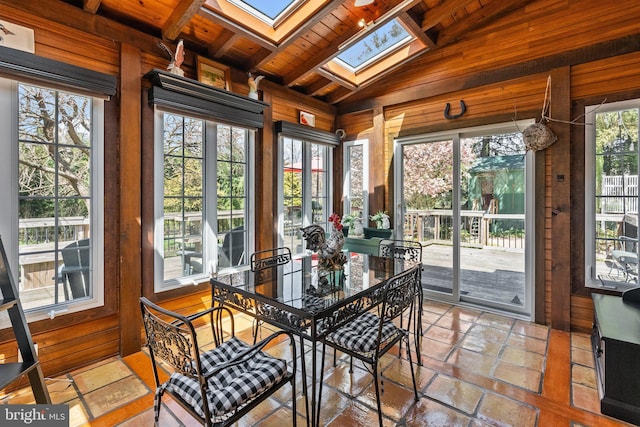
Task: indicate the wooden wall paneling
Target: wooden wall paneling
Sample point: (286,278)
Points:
(582,313)
(356,124)
(559,156)
(548,38)
(78,346)
(130,200)
(72,353)
(45,13)
(515,98)
(606,76)
(287,103)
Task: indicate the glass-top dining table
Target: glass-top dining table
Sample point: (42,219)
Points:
(310,302)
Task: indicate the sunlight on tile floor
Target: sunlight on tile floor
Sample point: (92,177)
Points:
(478,369)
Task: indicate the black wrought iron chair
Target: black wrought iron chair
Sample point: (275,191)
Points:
(369,336)
(217,386)
(264,260)
(408,250)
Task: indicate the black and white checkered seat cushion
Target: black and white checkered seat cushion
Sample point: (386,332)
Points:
(233,386)
(361,334)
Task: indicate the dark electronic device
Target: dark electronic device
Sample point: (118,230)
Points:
(632,295)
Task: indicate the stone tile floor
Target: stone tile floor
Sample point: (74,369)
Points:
(479,369)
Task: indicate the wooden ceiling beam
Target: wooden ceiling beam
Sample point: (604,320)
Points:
(91,6)
(222,44)
(318,59)
(481,17)
(417,30)
(339,95)
(182,14)
(228,24)
(318,86)
(259,62)
(433,16)
(342,82)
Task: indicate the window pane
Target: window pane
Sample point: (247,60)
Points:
(374,45)
(173,135)
(355,190)
(183,196)
(238,180)
(492,221)
(37,170)
(305,191)
(37,114)
(232,190)
(193,177)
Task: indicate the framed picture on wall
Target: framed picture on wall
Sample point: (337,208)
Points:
(307,119)
(213,73)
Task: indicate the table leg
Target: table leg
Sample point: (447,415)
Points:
(305,389)
(314,382)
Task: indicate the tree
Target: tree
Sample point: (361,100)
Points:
(54,152)
(428,167)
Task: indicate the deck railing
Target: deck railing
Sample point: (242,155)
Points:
(477,228)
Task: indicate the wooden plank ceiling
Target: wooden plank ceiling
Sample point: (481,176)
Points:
(296,50)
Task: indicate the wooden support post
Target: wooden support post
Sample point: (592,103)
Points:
(130,201)
(558,160)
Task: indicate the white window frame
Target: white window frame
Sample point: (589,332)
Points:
(591,279)
(9,208)
(306,186)
(455,136)
(346,189)
(209,227)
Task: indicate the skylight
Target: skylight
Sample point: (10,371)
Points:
(270,11)
(374,46)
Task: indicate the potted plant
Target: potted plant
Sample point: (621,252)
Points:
(348,221)
(383,227)
(381,219)
(352,223)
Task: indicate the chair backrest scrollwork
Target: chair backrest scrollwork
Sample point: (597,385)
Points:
(268,258)
(400,249)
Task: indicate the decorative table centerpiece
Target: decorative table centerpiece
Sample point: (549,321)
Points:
(329,249)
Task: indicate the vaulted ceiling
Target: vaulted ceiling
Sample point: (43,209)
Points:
(298,49)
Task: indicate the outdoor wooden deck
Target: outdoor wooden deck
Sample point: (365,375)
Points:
(489,274)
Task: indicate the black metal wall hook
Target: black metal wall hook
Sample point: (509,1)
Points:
(447,108)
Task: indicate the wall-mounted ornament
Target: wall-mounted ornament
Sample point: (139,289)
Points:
(253,83)
(538,136)
(307,119)
(176,59)
(16,37)
(447,109)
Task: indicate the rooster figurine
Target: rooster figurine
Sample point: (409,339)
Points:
(329,249)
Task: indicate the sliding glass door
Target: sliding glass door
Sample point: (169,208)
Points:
(463,195)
